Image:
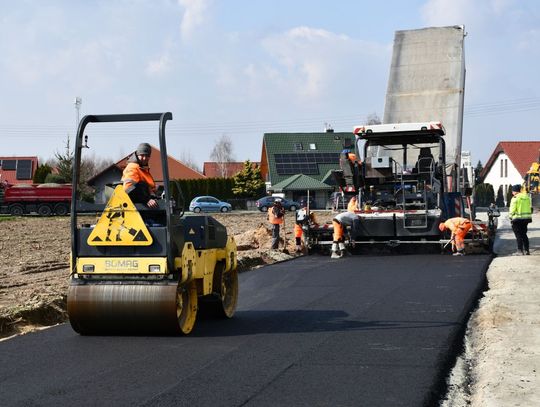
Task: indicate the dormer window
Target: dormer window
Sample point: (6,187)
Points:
(298,147)
(312,146)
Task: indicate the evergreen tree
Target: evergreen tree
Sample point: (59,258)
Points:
(64,162)
(508,195)
(484,195)
(54,179)
(248,183)
(477,171)
(41,173)
(500,197)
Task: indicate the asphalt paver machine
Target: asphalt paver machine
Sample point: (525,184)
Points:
(140,270)
(403,189)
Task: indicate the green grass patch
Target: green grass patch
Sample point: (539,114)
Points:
(6,218)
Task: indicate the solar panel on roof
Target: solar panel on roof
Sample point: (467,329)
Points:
(9,164)
(24,169)
(303,163)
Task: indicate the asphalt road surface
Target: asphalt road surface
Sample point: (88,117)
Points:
(360,331)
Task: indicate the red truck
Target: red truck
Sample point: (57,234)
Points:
(44,199)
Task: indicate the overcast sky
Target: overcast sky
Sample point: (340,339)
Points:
(246,67)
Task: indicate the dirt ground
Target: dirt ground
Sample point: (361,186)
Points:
(34,258)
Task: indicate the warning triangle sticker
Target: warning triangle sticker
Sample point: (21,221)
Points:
(120,224)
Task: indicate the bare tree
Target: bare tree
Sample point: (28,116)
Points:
(222,153)
(373,118)
(187,159)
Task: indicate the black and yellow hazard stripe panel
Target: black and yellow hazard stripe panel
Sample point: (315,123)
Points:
(120,224)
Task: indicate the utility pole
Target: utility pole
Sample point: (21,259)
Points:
(78,103)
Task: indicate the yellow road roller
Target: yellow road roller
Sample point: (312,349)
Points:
(140,270)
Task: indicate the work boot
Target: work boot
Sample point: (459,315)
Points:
(335,251)
(528,253)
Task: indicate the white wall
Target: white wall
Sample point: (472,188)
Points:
(508,176)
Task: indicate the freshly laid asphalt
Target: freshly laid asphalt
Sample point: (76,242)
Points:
(359,331)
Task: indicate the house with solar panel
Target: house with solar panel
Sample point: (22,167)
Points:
(294,163)
(17,170)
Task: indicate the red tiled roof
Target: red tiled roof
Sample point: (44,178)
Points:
(10,176)
(177,170)
(521,153)
(223,170)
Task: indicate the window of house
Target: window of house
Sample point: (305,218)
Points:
(502,167)
(312,146)
(506,167)
(298,146)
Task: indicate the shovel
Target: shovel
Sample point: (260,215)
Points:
(285,250)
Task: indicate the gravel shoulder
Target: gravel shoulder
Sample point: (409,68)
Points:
(501,362)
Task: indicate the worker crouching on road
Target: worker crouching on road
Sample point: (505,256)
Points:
(520,214)
(340,222)
(303,219)
(459,228)
(276,217)
(138,182)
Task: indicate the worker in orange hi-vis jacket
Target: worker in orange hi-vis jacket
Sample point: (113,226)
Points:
(341,221)
(459,228)
(276,217)
(137,180)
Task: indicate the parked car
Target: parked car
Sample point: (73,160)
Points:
(209,204)
(266,202)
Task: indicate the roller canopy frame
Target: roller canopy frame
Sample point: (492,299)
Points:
(162,118)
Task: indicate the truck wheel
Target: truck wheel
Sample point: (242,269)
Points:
(61,209)
(16,210)
(44,210)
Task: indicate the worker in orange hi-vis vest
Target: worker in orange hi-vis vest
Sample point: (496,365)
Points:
(459,228)
(341,221)
(276,216)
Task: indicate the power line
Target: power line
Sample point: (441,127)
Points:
(244,127)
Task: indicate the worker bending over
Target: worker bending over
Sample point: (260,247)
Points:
(459,228)
(340,222)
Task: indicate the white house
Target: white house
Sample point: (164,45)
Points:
(509,163)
